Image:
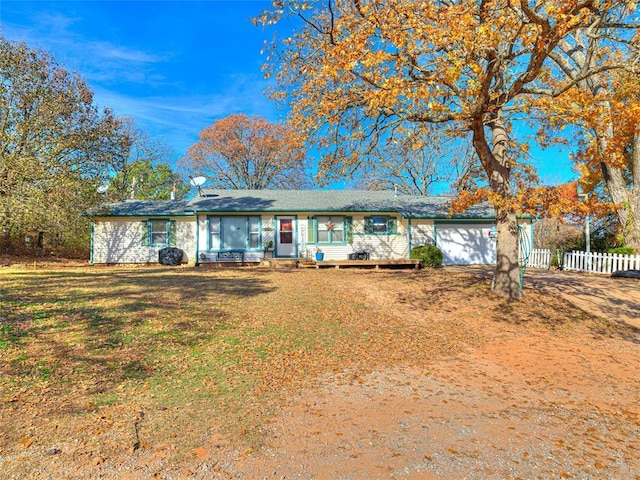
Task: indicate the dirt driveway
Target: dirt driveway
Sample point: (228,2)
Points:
(529,398)
(616,299)
(437,379)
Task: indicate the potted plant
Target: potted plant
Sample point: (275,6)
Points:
(319,255)
(268,246)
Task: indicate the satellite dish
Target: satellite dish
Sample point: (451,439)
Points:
(102,188)
(197,181)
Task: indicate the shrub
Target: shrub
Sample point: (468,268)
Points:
(429,255)
(622,250)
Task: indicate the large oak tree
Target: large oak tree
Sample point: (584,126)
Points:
(54,144)
(359,71)
(608,130)
(239,152)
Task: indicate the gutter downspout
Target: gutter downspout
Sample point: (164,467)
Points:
(197,262)
(92,244)
(409,237)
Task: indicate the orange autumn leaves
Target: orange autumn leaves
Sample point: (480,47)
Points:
(242,152)
(357,72)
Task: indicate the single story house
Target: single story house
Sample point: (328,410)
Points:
(293,224)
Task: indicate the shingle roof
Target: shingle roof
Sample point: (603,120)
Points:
(140,208)
(364,201)
(297,201)
(438,207)
(293,201)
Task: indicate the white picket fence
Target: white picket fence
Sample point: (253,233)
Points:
(539,258)
(605,263)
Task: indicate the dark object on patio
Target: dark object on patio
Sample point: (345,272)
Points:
(626,274)
(359,256)
(170,256)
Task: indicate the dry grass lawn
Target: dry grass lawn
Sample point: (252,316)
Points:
(253,373)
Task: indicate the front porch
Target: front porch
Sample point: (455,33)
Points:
(375,264)
(337,264)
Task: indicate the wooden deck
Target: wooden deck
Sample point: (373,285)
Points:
(376,264)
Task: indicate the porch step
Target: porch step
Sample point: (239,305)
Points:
(283,262)
(306,264)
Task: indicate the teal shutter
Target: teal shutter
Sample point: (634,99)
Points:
(311,230)
(348,226)
(393,225)
(172,233)
(145,233)
(368,225)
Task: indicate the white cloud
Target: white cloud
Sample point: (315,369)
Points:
(107,50)
(146,84)
(179,119)
(97,60)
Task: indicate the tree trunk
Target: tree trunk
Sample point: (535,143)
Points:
(632,234)
(629,202)
(507,276)
(494,159)
(5,213)
(5,236)
(617,186)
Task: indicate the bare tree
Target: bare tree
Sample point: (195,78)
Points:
(417,164)
(141,168)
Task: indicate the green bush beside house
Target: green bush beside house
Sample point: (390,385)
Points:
(429,255)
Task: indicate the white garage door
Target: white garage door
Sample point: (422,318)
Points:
(466,244)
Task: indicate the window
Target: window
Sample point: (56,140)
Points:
(330,229)
(254,232)
(214,233)
(286,230)
(234,233)
(380,225)
(158,233)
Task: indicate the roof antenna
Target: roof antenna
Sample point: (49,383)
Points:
(197,182)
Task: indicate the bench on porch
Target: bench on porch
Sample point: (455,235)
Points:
(227,256)
(230,256)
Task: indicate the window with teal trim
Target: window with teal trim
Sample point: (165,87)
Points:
(158,233)
(234,233)
(330,229)
(380,225)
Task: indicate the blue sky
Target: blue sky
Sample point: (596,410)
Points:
(176,66)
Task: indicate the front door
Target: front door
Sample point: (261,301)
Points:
(285,237)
